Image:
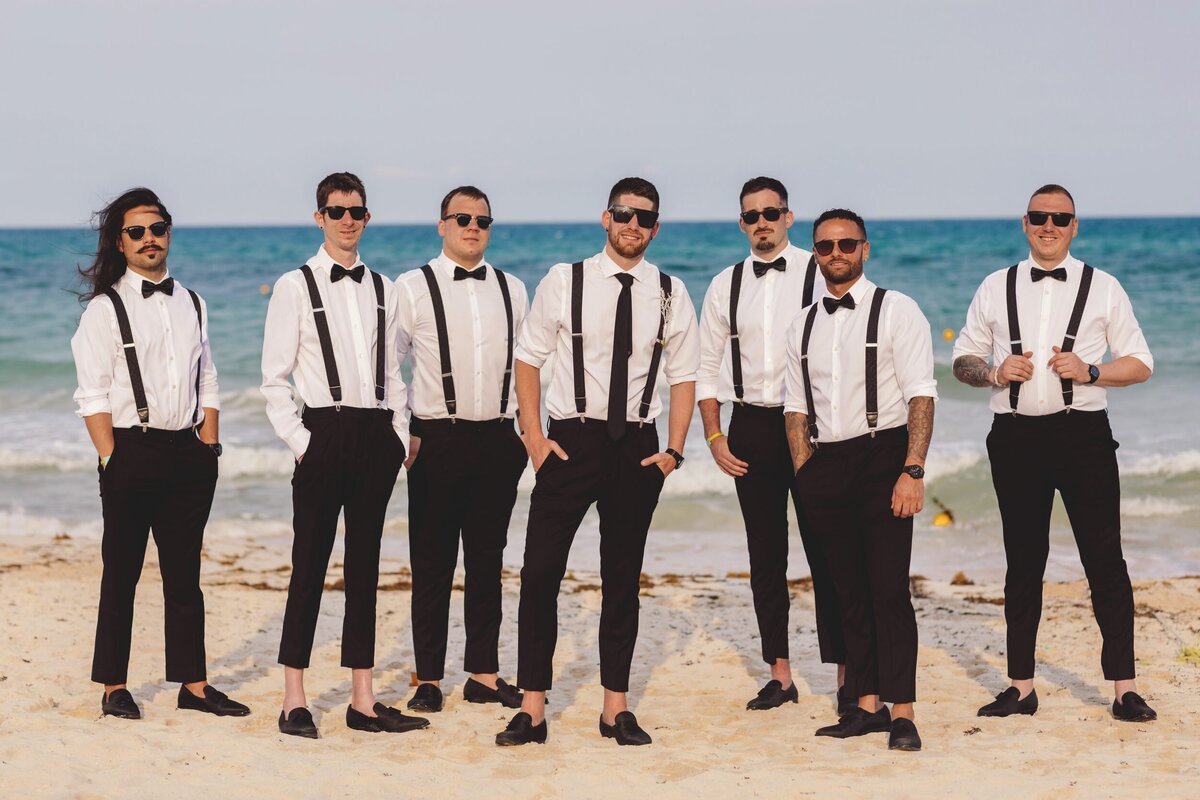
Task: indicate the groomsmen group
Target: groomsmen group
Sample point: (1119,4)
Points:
(830,378)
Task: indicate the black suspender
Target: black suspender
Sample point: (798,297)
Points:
(664,281)
(1014,331)
(873,360)
(735,344)
(735,292)
(872,365)
(131,359)
(577,338)
(508,361)
(322,321)
(439,318)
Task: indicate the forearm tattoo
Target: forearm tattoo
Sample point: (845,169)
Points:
(920,428)
(797,436)
(973,371)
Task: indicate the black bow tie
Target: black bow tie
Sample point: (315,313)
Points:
(167,287)
(479,273)
(832,305)
(761,267)
(1059,274)
(338,272)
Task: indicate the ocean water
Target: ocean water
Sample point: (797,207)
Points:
(47,466)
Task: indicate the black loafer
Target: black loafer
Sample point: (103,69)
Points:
(1010,702)
(298,723)
(859,723)
(1130,708)
(625,730)
(904,735)
(521,730)
(119,703)
(427,698)
(213,702)
(387,720)
(504,694)
(846,702)
(773,695)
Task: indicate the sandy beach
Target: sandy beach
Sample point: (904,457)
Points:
(695,666)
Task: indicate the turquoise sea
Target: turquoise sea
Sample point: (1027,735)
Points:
(47,467)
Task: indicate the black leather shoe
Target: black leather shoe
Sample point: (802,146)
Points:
(858,723)
(904,735)
(504,694)
(521,730)
(213,702)
(427,698)
(1009,702)
(119,703)
(773,695)
(846,702)
(298,723)
(625,730)
(1130,708)
(387,720)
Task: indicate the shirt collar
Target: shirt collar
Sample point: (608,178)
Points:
(447,264)
(322,260)
(860,289)
(640,271)
(789,252)
(1069,263)
(133,281)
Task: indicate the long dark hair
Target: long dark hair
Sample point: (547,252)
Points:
(109,263)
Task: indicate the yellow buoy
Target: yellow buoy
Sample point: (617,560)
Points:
(264,289)
(942,519)
(948,334)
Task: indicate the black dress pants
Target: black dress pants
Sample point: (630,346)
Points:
(161,482)
(757,436)
(1075,454)
(609,474)
(351,463)
(463,482)
(846,488)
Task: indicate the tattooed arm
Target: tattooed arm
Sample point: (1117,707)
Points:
(797,436)
(908,496)
(971,370)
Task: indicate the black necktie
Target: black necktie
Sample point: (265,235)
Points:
(167,287)
(338,272)
(832,305)
(618,381)
(761,267)
(479,273)
(1059,274)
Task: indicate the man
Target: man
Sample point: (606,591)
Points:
(329,326)
(611,322)
(458,319)
(860,382)
(743,337)
(149,397)
(1045,324)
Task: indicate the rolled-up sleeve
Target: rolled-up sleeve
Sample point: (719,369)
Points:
(912,349)
(1124,334)
(539,329)
(714,335)
(210,391)
(396,392)
(94,347)
(682,350)
(794,401)
(976,338)
(281,344)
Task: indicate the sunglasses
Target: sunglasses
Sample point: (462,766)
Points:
(847,246)
(357,213)
(769,214)
(463,220)
(1038,218)
(623,214)
(136,232)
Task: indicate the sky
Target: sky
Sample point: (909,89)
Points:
(233,111)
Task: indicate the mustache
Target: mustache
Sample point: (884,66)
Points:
(149,248)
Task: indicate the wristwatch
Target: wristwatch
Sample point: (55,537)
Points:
(1093,374)
(675,455)
(216,448)
(914,471)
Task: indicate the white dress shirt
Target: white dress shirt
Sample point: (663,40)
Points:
(547,332)
(291,347)
(477,327)
(1043,311)
(837,364)
(766,308)
(169,344)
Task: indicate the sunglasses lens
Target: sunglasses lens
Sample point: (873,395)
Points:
(847,246)
(647,219)
(484,222)
(772,214)
(1037,218)
(335,212)
(621,215)
(358,213)
(750,217)
(159,229)
(823,247)
(136,232)
(1062,220)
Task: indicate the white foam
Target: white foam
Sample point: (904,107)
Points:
(1181,463)
(1153,507)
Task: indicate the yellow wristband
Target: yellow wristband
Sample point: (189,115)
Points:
(714,437)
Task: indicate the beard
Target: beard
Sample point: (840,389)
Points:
(842,271)
(627,249)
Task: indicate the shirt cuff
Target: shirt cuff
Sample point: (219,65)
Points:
(210,400)
(90,406)
(532,360)
(298,441)
(674,380)
(706,390)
